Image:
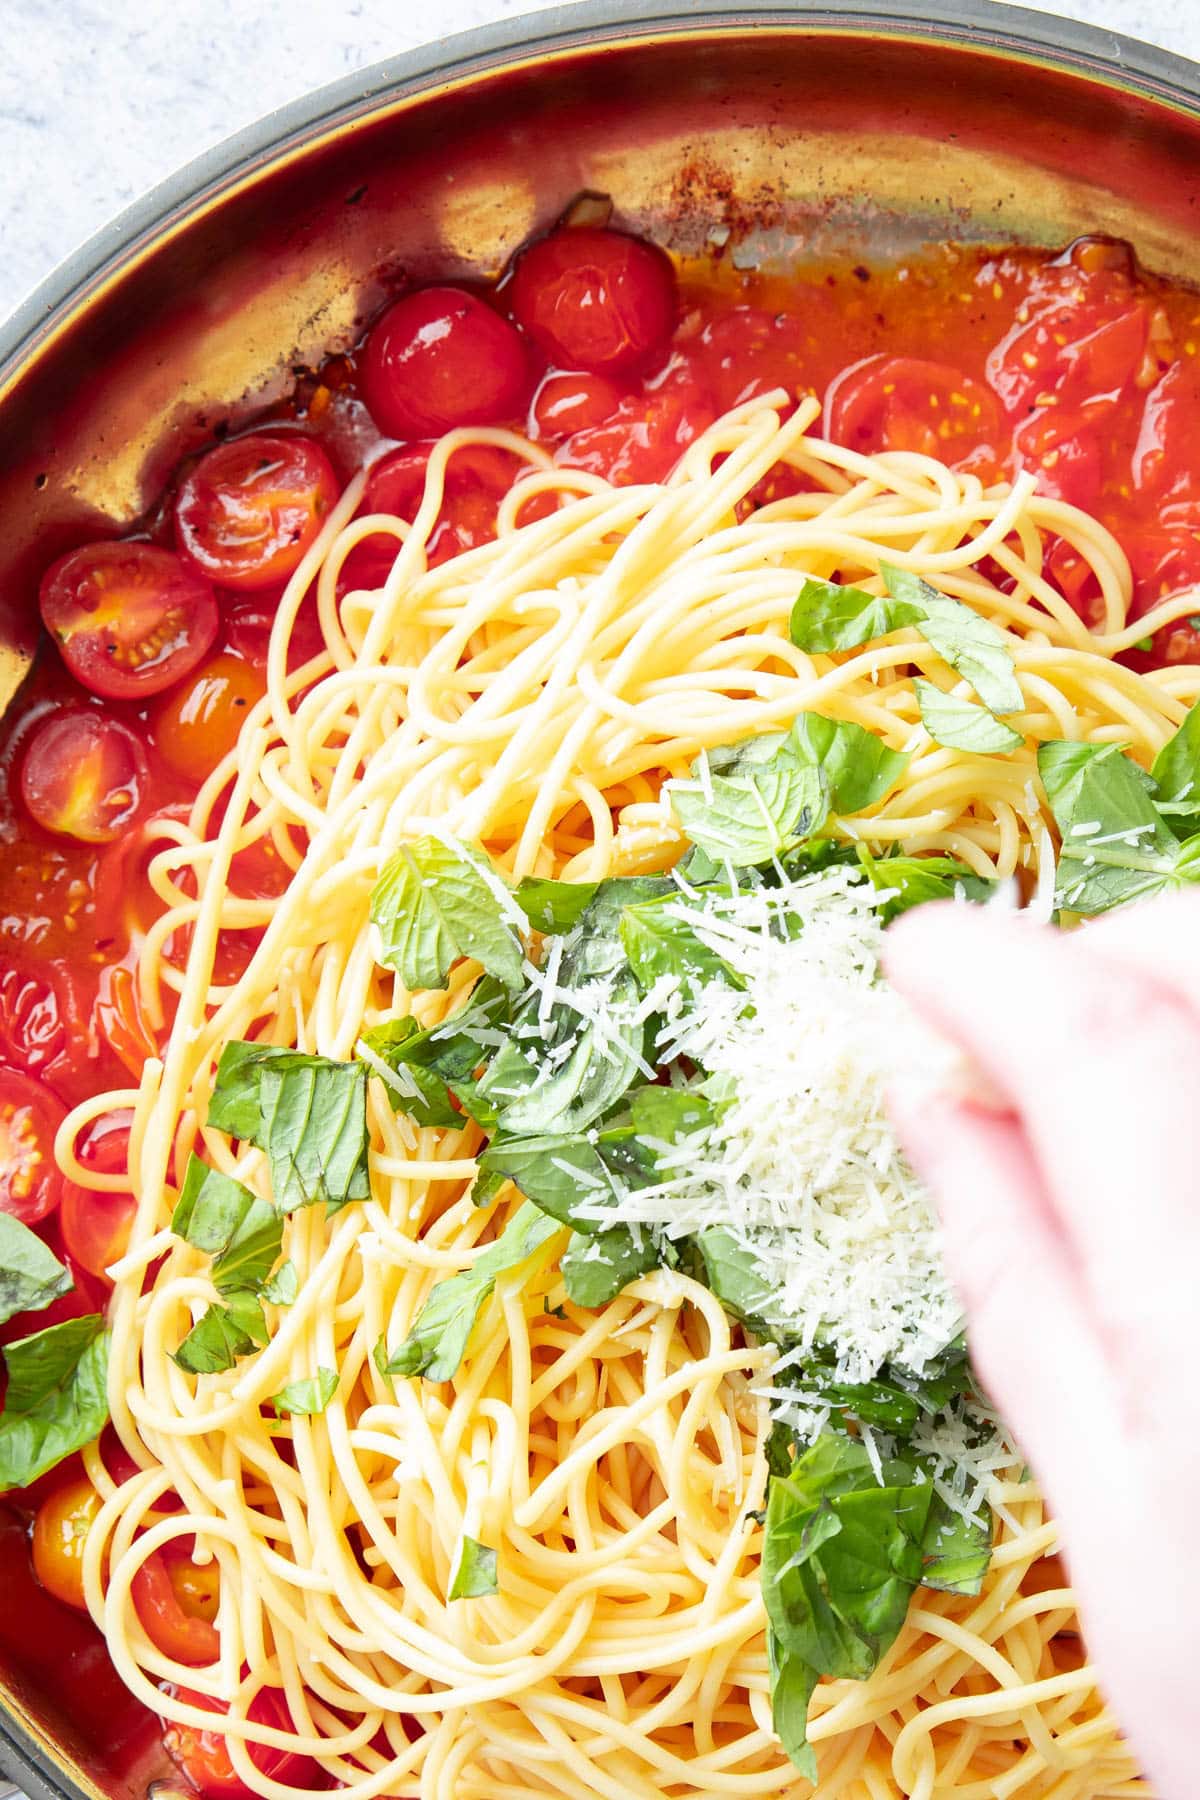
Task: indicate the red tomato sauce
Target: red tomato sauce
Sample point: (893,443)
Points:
(1076,365)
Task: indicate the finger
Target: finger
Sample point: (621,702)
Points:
(1021,1292)
(1160,937)
(1101,1063)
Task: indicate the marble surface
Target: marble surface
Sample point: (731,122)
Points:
(99,99)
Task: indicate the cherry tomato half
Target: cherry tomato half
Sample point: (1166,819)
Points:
(905,403)
(186,1636)
(748,350)
(1164,563)
(83,776)
(30,1183)
(248,622)
(59,1534)
(595,299)
(32,1032)
(203,1756)
(477,479)
(440,358)
(130,619)
(95,1224)
(198,724)
(249,509)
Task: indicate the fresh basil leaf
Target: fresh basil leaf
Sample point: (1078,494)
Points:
(1116,846)
(426,1099)
(310,1395)
(283,1287)
(793,1683)
(658,942)
(242,1233)
(596,1268)
(827,617)
(433,904)
(604,1060)
(438,1341)
(1176,770)
(842,1555)
(56,1400)
(668,1114)
(760,796)
(956,1551)
(974,646)
(443,1058)
(554,906)
(962,725)
(742,1282)
(912,880)
(222,1334)
(307,1112)
(556,1170)
(858,766)
(475,1572)
(31,1276)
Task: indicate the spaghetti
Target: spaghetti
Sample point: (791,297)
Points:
(531,696)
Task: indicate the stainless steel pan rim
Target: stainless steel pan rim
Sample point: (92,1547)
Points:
(1070,43)
(1098,55)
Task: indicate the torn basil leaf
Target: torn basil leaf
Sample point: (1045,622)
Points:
(283,1286)
(554,907)
(759,797)
(438,1341)
(31,1276)
(659,941)
(828,617)
(474,1574)
(858,767)
(242,1234)
(222,1334)
(793,1683)
(912,880)
(596,1268)
(960,724)
(972,645)
(1116,845)
(310,1395)
(308,1113)
(1176,770)
(56,1400)
(432,905)
(956,1550)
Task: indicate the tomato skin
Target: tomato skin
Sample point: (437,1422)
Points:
(250,508)
(197,726)
(248,621)
(477,478)
(565,404)
(32,1032)
(130,619)
(1164,455)
(204,1758)
(595,299)
(30,1183)
(1163,563)
(95,1223)
(1061,447)
(439,358)
(84,775)
(59,1535)
(906,403)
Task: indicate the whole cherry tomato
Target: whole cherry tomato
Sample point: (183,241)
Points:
(595,299)
(440,358)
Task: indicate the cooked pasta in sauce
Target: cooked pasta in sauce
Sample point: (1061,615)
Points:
(443,1045)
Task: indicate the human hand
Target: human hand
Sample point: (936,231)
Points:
(1070,1197)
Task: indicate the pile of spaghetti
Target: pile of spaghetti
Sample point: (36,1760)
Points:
(490,1505)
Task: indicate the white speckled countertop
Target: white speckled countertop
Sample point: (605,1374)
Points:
(99,99)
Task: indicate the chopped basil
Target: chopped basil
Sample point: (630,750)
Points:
(554,906)
(973,645)
(858,767)
(56,1400)
(597,1267)
(1116,844)
(31,1276)
(474,1574)
(283,1286)
(241,1233)
(307,1112)
(433,904)
(828,617)
(962,725)
(310,1395)
(1176,770)
(438,1341)
(222,1334)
